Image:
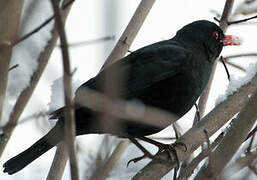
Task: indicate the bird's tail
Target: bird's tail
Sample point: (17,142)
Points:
(52,138)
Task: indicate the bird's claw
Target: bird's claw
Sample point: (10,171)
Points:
(135,160)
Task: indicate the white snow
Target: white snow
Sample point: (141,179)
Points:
(246,7)
(236,83)
(25,54)
(57,93)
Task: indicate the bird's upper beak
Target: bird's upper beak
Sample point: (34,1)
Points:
(231,40)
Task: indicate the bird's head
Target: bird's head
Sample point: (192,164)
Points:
(207,36)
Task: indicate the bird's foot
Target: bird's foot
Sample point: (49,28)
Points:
(168,148)
(135,160)
(147,154)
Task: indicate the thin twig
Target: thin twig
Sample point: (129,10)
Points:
(242,20)
(226,69)
(236,22)
(70,130)
(33,31)
(250,144)
(13,67)
(251,133)
(47,21)
(234,65)
(239,55)
(103,172)
(26,119)
(89,42)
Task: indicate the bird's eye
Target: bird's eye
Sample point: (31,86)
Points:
(215,34)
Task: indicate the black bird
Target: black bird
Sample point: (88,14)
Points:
(169,74)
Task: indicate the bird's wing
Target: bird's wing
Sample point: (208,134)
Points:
(145,67)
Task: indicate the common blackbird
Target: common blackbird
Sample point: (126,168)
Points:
(169,74)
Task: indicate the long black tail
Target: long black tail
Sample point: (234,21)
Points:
(52,138)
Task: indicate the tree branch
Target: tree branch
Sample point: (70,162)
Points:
(103,172)
(235,136)
(69,119)
(185,173)
(9,24)
(59,163)
(25,95)
(240,163)
(193,138)
(130,32)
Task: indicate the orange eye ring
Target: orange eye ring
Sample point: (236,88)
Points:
(215,34)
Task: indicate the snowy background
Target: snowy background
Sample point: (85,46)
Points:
(91,20)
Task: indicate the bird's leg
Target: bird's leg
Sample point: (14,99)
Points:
(170,149)
(147,154)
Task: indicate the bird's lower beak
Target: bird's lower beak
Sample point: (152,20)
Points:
(231,40)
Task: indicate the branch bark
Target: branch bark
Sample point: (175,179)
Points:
(59,163)
(69,119)
(103,172)
(25,95)
(130,32)
(10,13)
(193,138)
(240,163)
(235,136)
(188,170)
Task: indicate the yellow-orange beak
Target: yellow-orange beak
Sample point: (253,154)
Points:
(230,40)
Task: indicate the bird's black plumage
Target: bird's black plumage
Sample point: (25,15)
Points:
(170,75)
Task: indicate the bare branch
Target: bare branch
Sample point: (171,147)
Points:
(226,69)
(104,171)
(47,21)
(185,173)
(89,42)
(242,20)
(70,130)
(33,31)
(235,136)
(27,92)
(194,137)
(250,144)
(9,24)
(240,55)
(240,163)
(235,65)
(130,32)
(59,162)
